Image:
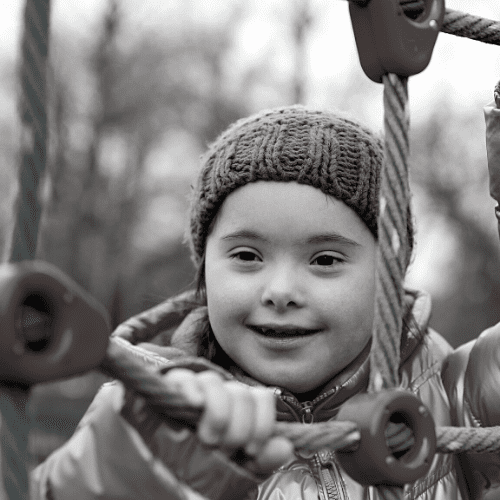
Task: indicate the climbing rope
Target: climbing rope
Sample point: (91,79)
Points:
(14,422)
(125,363)
(393,248)
(34,48)
(476,28)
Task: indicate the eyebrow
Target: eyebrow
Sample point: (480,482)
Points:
(244,234)
(332,238)
(316,239)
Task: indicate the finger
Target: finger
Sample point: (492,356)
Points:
(183,386)
(264,419)
(216,414)
(276,452)
(242,418)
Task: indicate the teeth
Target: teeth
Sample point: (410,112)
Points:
(270,331)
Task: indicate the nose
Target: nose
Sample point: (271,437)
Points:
(282,290)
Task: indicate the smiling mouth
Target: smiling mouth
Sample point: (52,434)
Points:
(281,333)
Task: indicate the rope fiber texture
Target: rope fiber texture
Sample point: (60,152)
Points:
(123,364)
(476,28)
(34,129)
(392,255)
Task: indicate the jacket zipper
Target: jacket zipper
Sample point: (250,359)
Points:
(306,412)
(305,409)
(331,480)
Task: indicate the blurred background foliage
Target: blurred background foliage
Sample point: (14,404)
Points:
(132,107)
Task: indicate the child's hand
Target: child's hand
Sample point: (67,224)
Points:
(234,417)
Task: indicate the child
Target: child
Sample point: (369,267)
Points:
(284,234)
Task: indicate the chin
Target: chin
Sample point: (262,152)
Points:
(291,382)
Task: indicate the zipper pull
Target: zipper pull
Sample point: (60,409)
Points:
(325,458)
(306,411)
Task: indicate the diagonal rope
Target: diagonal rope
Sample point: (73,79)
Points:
(124,363)
(474,27)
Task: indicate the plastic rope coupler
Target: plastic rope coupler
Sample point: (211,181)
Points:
(390,41)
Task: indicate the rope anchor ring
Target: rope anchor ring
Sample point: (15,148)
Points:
(372,462)
(389,41)
(50,327)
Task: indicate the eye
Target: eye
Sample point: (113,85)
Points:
(326,259)
(246,256)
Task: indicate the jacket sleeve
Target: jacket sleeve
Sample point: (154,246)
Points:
(105,459)
(492,119)
(471,376)
(117,452)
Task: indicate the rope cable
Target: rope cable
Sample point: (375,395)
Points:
(392,255)
(33,115)
(474,27)
(393,248)
(123,364)
(14,421)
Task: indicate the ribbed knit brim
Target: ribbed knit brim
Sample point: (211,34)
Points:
(326,150)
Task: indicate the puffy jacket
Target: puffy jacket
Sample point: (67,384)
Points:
(121,451)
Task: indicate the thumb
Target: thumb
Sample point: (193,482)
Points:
(276,452)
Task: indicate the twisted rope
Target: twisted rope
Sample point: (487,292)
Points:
(392,247)
(34,128)
(392,256)
(123,364)
(34,49)
(144,326)
(393,237)
(471,439)
(476,28)
(14,428)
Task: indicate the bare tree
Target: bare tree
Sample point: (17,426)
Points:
(454,181)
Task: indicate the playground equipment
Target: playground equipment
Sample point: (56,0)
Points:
(395,40)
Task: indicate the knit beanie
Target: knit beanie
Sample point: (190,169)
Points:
(329,151)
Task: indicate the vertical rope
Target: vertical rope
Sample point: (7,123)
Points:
(393,248)
(14,430)
(34,128)
(14,423)
(393,244)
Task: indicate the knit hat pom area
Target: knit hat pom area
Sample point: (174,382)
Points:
(327,150)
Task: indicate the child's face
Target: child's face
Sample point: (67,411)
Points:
(290,279)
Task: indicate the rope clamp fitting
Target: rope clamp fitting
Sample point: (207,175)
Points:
(372,462)
(50,327)
(388,41)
